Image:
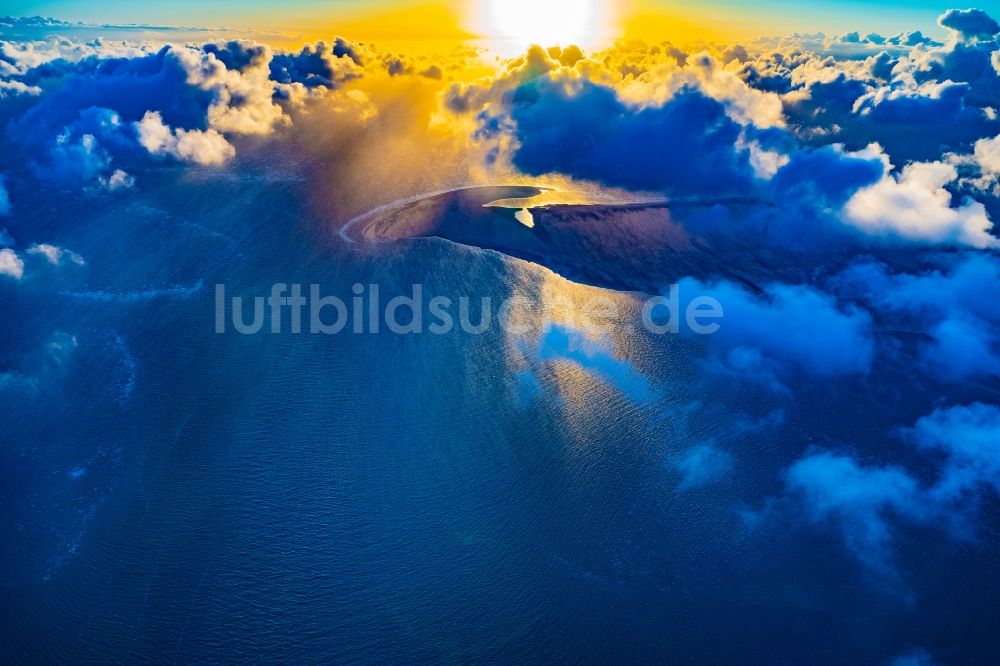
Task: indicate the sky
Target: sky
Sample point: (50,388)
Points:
(400,20)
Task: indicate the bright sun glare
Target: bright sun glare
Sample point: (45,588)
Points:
(519,23)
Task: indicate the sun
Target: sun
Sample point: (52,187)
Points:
(520,23)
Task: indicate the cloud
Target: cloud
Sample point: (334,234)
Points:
(11,265)
(460,98)
(568,56)
(45,22)
(13,88)
(39,366)
(81,154)
(241,99)
(930,103)
(103,108)
(819,97)
(962,348)
(746,119)
(954,306)
(206,147)
(702,465)
(969,439)
(830,173)
(784,329)
(987,155)
(914,657)
(969,23)
(915,98)
(72,160)
(240,54)
(704,73)
(32,21)
(127,88)
(398,66)
(56,255)
(319,64)
(966,58)
(967,283)
(692,129)
(118,180)
(198,93)
(686,146)
(916,206)
(432,72)
(32,62)
(867,501)
(811,187)
(913,38)
(739,119)
(862,501)
(800,130)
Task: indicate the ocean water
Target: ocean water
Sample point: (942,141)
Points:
(170,494)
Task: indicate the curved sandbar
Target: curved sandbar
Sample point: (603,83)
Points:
(442,214)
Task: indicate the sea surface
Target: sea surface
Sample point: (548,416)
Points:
(170,494)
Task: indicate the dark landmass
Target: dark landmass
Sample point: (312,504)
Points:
(629,247)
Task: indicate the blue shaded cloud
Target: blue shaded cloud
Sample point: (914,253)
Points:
(811,188)
(319,64)
(953,305)
(862,501)
(129,87)
(968,282)
(968,438)
(969,23)
(916,98)
(962,348)
(97,104)
(686,146)
(867,502)
(934,105)
(912,38)
(914,657)
(828,176)
(786,328)
(81,153)
(239,54)
(26,377)
(702,465)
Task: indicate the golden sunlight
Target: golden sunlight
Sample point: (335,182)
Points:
(515,24)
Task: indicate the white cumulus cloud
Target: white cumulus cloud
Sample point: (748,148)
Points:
(11,265)
(916,206)
(206,147)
